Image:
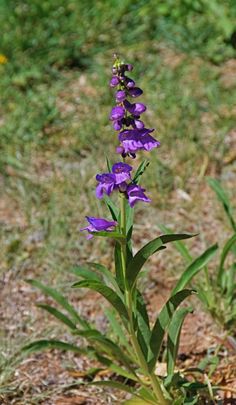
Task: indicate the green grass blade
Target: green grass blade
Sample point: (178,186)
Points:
(107,293)
(222,196)
(194,268)
(162,323)
(174,331)
(226,249)
(61,300)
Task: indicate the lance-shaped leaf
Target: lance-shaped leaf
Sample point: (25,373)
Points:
(180,246)
(61,300)
(226,249)
(112,208)
(44,344)
(162,323)
(174,331)
(136,264)
(138,395)
(143,328)
(83,272)
(107,293)
(58,314)
(106,273)
(140,170)
(109,347)
(194,268)
(116,327)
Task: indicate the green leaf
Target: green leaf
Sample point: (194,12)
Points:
(174,331)
(107,293)
(194,268)
(39,345)
(140,170)
(60,300)
(136,264)
(112,208)
(118,266)
(126,388)
(143,328)
(114,384)
(222,196)
(180,246)
(116,327)
(109,165)
(106,273)
(162,323)
(83,272)
(226,249)
(57,314)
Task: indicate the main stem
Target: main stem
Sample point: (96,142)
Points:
(128,296)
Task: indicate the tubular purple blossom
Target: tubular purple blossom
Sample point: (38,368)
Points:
(117,113)
(121,172)
(137,139)
(98,225)
(106,184)
(135,193)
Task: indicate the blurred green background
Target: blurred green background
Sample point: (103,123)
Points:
(55,66)
(55,63)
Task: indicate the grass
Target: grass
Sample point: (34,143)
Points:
(54,130)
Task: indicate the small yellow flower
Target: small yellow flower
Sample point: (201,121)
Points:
(3,59)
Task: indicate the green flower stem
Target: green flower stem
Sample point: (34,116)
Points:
(128,296)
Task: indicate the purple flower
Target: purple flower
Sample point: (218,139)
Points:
(120,96)
(135,193)
(121,172)
(117,113)
(114,81)
(106,184)
(117,125)
(135,92)
(138,124)
(129,82)
(137,139)
(135,109)
(98,225)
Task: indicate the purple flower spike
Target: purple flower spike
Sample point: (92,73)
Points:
(121,172)
(117,113)
(114,81)
(137,139)
(98,225)
(106,184)
(120,96)
(135,92)
(136,193)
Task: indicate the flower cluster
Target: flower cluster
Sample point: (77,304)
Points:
(133,136)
